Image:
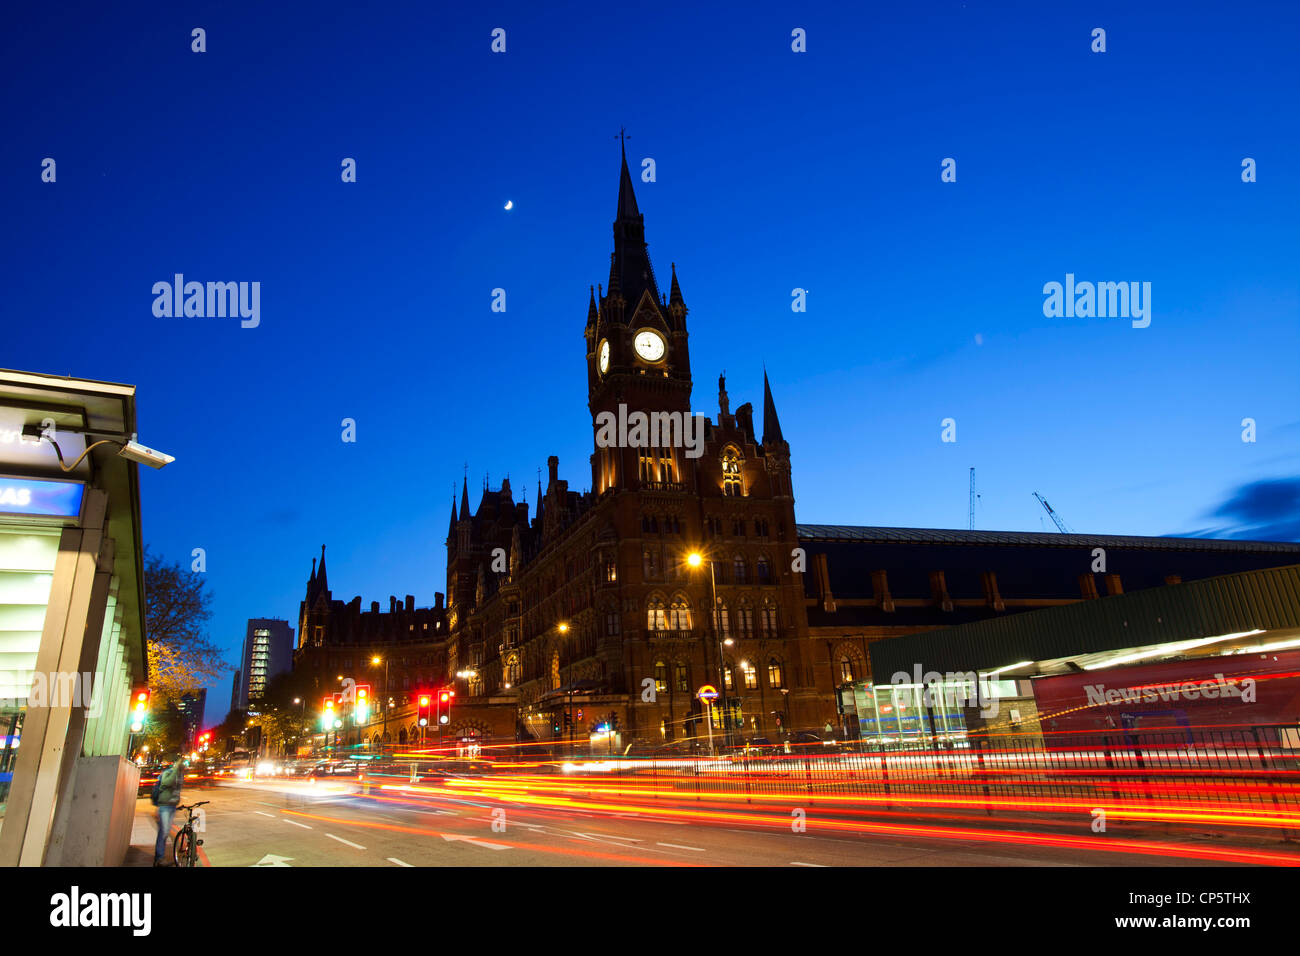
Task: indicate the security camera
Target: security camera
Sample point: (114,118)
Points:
(134,451)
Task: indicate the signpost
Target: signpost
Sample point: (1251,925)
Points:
(708,693)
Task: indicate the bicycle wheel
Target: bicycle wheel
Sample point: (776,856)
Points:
(183,848)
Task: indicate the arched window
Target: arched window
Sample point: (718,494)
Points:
(739,569)
(750,675)
(846,670)
(512,670)
(656,615)
(731,483)
(729,677)
(661,676)
(744,621)
(775,673)
(650,563)
(764,570)
(679,615)
(722,620)
(767,619)
(682,676)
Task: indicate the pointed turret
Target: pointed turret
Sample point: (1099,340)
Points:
(771,424)
(675,291)
(464,499)
(322,582)
(627,208)
(591,309)
(451,525)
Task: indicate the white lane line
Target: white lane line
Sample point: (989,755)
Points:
(394,860)
(357,846)
(297,824)
(678,846)
(797,863)
(483,843)
(265,814)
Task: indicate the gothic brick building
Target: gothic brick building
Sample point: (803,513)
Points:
(587,611)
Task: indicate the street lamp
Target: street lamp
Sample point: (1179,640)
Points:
(375,660)
(563,628)
(695,559)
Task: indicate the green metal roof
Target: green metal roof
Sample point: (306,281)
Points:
(1268,599)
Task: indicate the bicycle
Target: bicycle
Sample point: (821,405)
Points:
(185,848)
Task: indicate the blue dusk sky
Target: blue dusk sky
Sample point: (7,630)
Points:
(775,170)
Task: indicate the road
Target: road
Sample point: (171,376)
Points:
(333,823)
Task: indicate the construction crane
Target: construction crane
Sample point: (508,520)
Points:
(1061,526)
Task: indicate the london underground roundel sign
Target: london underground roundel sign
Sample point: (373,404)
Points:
(707,692)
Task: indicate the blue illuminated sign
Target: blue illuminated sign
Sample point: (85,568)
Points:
(36,496)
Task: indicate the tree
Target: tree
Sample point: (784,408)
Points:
(178,606)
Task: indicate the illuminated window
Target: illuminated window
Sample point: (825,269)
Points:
(722,620)
(679,615)
(667,467)
(661,676)
(750,675)
(775,673)
(731,484)
(647,468)
(656,615)
(555,670)
(728,678)
(846,670)
(683,677)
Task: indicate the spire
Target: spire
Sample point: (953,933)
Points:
(630,272)
(322,580)
(312,579)
(675,293)
(451,527)
(591,309)
(771,424)
(464,498)
(626,197)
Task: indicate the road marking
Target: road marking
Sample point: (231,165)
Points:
(395,860)
(678,846)
(297,824)
(348,842)
(265,814)
(797,863)
(272,860)
(483,843)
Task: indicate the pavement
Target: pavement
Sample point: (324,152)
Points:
(333,823)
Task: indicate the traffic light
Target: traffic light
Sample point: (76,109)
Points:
(361,710)
(423,712)
(568,720)
(139,708)
(327,715)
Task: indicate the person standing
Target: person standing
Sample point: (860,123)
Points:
(166,795)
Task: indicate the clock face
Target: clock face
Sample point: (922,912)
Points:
(603,360)
(649,345)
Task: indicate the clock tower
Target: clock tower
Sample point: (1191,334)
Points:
(637,354)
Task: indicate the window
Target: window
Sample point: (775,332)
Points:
(728,678)
(683,677)
(679,615)
(767,619)
(775,673)
(611,623)
(750,674)
(656,617)
(740,570)
(731,484)
(650,563)
(738,527)
(661,676)
(722,620)
(647,468)
(764,570)
(667,468)
(760,527)
(745,621)
(610,569)
(555,670)
(846,670)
